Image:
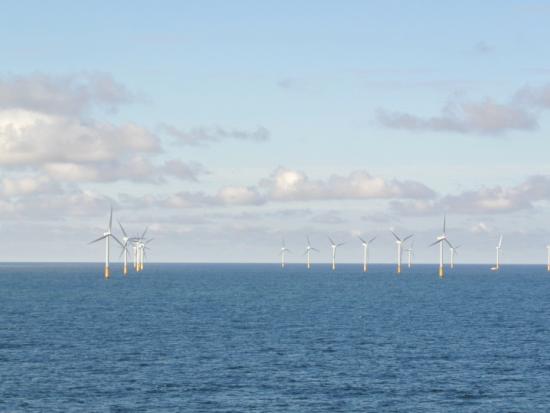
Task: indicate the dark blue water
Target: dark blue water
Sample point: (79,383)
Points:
(253,338)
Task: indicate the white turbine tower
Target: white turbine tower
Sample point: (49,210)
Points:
(399,243)
(366,252)
(453,250)
(497,266)
(309,248)
(440,240)
(334,246)
(106,235)
(125,240)
(284,250)
(409,252)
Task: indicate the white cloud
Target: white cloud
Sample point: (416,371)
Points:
(62,95)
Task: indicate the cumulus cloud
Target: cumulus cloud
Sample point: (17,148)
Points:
(62,95)
(205,135)
(485,117)
(35,138)
(291,185)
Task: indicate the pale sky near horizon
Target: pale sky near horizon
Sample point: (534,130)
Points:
(227,126)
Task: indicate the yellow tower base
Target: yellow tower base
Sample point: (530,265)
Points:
(441,272)
(548,268)
(398,269)
(125,271)
(107,272)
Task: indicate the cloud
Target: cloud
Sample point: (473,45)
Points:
(486,200)
(33,138)
(62,95)
(534,96)
(483,48)
(291,185)
(485,117)
(185,171)
(204,135)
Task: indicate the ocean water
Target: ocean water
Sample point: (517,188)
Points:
(254,338)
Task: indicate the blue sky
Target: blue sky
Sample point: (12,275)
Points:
(263,120)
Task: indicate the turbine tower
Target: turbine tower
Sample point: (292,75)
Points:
(548,258)
(366,252)
(284,249)
(399,243)
(334,246)
(409,252)
(125,240)
(497,266)
(309,248)
(440,240)
(453,252)
(106,235)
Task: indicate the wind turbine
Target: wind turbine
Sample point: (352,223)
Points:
(440,240)
(409,252)
(334,246)
(282,253)
(497,266)
(453,252)
(399,243)
(106,235)
(125,240)
(309,248)
(366,252)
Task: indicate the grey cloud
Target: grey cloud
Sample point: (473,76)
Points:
(65,95)
(485,117)
(534,96)
(190,171)
(205,135)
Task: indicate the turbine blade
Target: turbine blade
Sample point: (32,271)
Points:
(500,241)
(314,249)
(339,245)
(144,232)
(448,243)
(395,235)
(331,241)
(362,240)
(435,243)
(117,240)
(122,229)
(96,240)
(407,237)
(370,240)
(444,222)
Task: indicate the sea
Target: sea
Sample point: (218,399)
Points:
(258,338)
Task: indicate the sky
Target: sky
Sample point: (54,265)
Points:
(226,127)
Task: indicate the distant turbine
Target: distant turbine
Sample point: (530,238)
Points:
(309,248)
(284,249)
(399,243)
(453,252)
(440,240)
(409,252)
(106,235)
(334,246)
(125,240)
(497,266)
(366,252)
(548,258)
